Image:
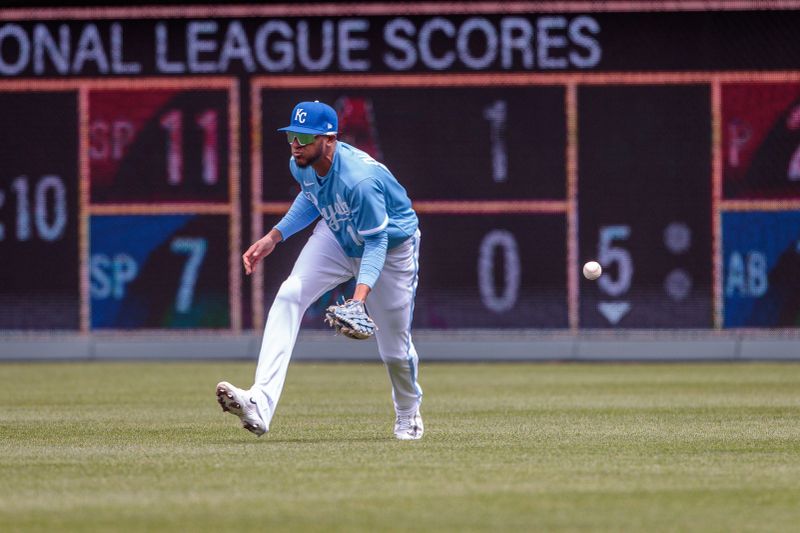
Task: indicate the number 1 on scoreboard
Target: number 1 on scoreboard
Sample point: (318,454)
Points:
(496,114)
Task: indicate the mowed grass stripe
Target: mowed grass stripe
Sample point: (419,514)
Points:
(549,447)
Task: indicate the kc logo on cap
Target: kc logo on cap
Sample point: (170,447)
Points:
(313,117)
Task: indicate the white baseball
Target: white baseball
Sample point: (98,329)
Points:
(592,270)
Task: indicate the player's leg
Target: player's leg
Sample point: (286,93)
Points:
(321,266)
(391,305)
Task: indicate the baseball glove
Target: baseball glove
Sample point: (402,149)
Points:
(351,320)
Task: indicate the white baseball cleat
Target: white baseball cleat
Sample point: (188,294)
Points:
(409,427)
(238,402)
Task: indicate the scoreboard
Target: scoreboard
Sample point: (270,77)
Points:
(127,200)
(125,212)
(120,205)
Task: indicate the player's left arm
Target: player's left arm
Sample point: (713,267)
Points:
(368,205)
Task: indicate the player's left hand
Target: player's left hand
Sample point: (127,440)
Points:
(351,320)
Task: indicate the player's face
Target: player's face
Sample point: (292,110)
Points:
(307,154)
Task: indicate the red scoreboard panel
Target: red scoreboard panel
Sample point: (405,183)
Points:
(761,140)
(159,146)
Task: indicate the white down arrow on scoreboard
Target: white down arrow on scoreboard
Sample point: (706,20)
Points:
(614,311)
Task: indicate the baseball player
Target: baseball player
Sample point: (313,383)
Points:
(368,230)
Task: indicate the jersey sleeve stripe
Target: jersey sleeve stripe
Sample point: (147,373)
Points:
(373,231)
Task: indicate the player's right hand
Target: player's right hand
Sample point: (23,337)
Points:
(258,251)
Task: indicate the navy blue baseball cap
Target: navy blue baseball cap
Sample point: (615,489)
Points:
(313,117)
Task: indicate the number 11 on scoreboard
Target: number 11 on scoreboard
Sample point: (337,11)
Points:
(172,122)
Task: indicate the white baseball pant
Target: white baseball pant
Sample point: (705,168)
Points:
(321,266)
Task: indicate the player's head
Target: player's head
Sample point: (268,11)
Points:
(312,128)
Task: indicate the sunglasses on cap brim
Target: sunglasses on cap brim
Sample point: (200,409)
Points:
(302,138)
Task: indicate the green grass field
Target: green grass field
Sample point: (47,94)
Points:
(508,447)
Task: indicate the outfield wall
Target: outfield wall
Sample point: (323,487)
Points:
(466,346)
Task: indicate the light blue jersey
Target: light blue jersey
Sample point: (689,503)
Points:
(358,198)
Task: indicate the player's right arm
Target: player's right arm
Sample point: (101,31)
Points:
(300,214)
(260,249)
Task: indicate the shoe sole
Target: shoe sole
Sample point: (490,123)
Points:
(407,437)
(415,434)
(229,405)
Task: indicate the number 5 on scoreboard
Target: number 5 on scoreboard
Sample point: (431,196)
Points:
(608,254)
(195,248)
